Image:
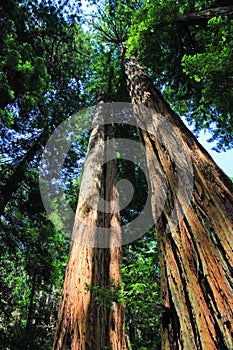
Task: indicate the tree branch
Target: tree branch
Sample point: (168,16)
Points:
(202,17)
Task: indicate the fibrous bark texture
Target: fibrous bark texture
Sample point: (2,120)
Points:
(83,322)
(196,252)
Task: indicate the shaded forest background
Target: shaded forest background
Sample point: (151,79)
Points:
(51,67)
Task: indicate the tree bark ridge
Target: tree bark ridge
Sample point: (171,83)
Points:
(83,323)
(196,255)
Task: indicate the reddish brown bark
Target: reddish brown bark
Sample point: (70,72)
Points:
(83,323)
(196,256)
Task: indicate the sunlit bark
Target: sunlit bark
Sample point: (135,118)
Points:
(83,323)
(196,256)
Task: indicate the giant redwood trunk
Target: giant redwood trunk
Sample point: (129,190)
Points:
(83,322)
(197,252)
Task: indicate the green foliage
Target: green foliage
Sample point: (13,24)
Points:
(32,269)
(212,70)
(23,67)
(141,280)
(41,54)
(107,295)
(198,79)
(106,74)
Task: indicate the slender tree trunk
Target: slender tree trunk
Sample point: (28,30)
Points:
(83,323)
(196,256)
(13,182)
(28,328)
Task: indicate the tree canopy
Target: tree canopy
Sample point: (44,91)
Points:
(198,79)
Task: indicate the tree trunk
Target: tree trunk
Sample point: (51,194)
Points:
(30,312)
(196,253)
(13,182)
(84,323)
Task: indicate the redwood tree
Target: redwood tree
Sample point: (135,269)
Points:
(196,255)
(83,321)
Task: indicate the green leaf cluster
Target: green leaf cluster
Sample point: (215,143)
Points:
(212,70)
(191,63)
(141,292)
